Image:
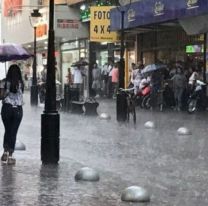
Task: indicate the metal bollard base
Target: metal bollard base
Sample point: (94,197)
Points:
(50,127)
(121,107)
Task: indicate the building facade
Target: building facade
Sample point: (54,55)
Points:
(167,31)
(17,28)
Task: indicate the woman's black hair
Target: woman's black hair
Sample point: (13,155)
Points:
(14,76)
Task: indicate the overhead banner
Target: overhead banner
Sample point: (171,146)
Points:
(100,25)
(147,12)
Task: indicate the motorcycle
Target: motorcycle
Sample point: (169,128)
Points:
(161,98)
(197,99)
(142,94)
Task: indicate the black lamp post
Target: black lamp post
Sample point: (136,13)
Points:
(50,119)
(35,15)
(121,104)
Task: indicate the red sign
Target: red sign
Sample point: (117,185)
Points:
(41,30)
(67,24)
(12,7)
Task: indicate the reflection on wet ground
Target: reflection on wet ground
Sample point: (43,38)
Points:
(173,168)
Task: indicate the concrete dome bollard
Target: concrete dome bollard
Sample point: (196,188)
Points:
(105,116)
(87,174)
(135,194)
(19,145)
(149,125)
(183,131)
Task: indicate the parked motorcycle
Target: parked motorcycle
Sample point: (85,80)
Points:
(197,99)
(162,98)
(143,95)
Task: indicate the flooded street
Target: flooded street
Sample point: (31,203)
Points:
(172,167)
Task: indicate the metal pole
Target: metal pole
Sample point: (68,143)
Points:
(34,87)
(205,57)
(121,104)
(122,49)
(50,119)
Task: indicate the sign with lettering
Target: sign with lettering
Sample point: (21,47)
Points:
(67,23)
(100,25)
(41,30)
(146,12)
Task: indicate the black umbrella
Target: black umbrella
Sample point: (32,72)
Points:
(80,63)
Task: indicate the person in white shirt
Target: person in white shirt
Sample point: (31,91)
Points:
(104,77)
(109,83)
(96,79)
(78,73)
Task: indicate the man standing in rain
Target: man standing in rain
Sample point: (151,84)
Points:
(96,80)
(179,84)
(78,73)
(104,77)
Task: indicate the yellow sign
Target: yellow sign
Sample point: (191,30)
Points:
(100,25)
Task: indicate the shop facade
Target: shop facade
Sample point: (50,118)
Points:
(170,45)
(167,31)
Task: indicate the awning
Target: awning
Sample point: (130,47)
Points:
(147,12)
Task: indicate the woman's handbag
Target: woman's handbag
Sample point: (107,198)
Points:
(2,89)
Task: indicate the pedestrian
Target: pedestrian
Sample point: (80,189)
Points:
(96,80)
(109,82)
(104,78)
(78,74)
(192,80)
(133,73)
(115,79)
(11,112)
(26,81)
(179,85)
(69,77)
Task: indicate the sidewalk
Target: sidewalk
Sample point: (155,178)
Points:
(173,168)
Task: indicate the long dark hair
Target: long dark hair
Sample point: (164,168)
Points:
(14,76)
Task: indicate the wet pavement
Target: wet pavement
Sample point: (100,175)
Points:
(173,168)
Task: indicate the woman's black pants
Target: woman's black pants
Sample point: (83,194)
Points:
(11,117)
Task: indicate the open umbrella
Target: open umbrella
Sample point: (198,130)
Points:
(80,63)
(9,52)
(152,68)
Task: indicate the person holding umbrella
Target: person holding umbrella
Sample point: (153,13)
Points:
(11,112)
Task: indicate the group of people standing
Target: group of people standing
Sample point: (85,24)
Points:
(105,80)
(181,81)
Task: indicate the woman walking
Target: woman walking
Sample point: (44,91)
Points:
(11,112)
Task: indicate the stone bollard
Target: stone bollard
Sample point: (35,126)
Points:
(183,131)
(87,174)
(105,116)
(19,146)
(135,194)
(149,125)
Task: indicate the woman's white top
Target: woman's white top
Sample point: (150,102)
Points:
(15,99)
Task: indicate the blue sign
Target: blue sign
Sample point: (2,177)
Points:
(148,12)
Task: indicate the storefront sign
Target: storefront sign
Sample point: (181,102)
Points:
(11,8)
(147,12)
(41,30)
(194,49)
(67,24)
(100,25)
